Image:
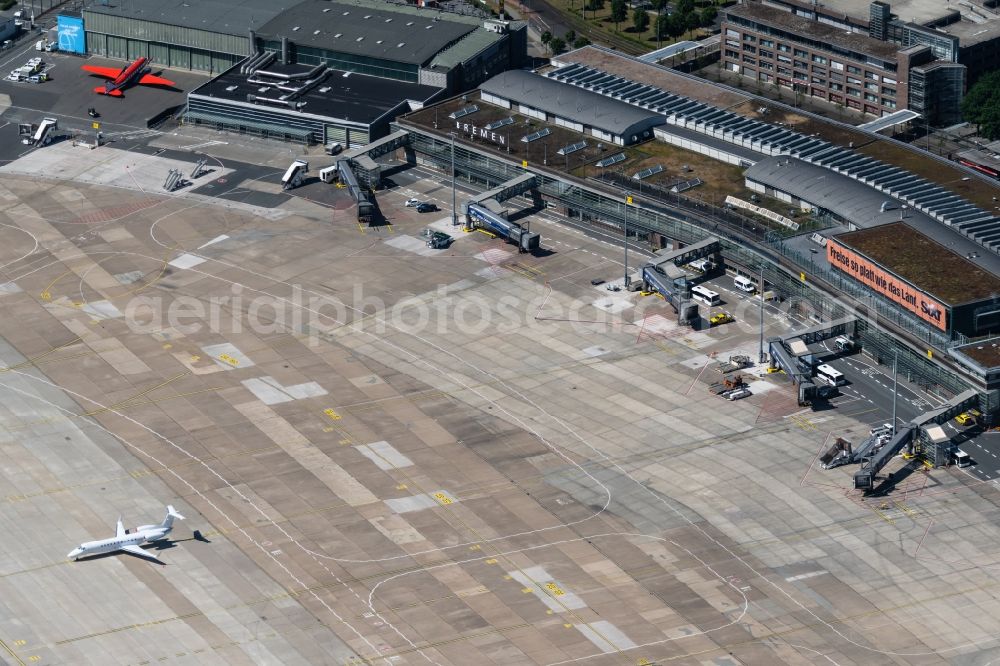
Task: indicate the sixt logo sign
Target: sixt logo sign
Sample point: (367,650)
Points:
(482,133)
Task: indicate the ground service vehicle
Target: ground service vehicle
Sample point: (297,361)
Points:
(703,265)
(705,295)
(720,318)
(439,240)
(743,283)
(830,374)
(967,418)
(844,343)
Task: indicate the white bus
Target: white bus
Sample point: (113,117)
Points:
(706,296)
(830,374)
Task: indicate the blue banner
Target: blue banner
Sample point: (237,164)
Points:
(71,36)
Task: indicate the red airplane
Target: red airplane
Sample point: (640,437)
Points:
(136,72)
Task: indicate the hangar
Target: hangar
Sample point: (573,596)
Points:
(205,36)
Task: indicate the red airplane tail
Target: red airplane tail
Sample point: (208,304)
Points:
(114,92)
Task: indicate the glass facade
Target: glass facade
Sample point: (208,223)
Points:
(585,202)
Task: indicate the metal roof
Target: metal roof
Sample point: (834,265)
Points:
(227,17)
(465,49)
(857,202)
(377,30)
(916,192)
(570,102)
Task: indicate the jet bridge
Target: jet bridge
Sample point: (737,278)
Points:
(379,147)
(480,217)
(527,182)
(366,207)
(662,273)
(790,353)
(685,255)
(864,478)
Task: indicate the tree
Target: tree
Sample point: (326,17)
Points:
(640,19)
(546,39)
(618,11)
(658,5)
(662,26)
(708,15)
(580,42)
(557,45)
(595,6)
(981,105)
(570,37)
(684,6)
(677,25)
(691,21)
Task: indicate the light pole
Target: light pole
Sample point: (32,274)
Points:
(628,200)
(760,356)
(454,211)
(895,358)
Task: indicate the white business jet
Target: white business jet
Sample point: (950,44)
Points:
(129,542)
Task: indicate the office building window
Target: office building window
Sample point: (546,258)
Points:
(853,70)
(818,58)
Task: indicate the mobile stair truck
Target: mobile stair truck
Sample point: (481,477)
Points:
(41,135)
(295,175)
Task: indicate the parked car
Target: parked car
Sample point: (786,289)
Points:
(967,418)
(597,281)
(720,318)
(425,207)
(439,240)
(410,203)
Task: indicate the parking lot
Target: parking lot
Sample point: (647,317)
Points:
(69,92)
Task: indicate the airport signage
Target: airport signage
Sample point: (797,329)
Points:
(892,287)
(71,36)
(481,133)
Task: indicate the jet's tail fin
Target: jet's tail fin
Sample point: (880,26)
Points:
(171,514)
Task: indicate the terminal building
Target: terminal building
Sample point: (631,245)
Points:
(306,70)
(942,296)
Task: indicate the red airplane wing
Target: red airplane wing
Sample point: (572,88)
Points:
(109,72)
(155,80)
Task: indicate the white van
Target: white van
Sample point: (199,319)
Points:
(334,147)
(703,265)
(743,283)
(40,45)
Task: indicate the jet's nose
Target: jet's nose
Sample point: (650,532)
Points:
(74,553)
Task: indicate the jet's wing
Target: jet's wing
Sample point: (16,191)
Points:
(120,531)
(135,550)
(109,72)
(155,80)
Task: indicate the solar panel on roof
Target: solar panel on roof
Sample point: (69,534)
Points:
(614,159)
(534,136)
(497,124)
(646,173)
(461,113)
(572,148)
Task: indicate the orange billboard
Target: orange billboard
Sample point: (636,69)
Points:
(887,284)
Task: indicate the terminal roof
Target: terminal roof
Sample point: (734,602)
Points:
(569,102)
(924,262)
